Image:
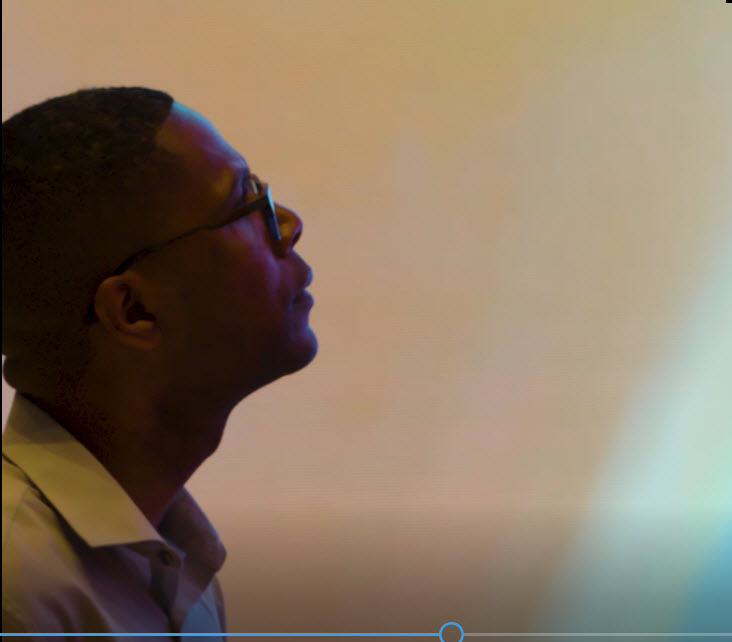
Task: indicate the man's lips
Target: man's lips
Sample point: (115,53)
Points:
(304,297)
(308,279)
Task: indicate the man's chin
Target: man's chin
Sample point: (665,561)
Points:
(286,361)
(305,352)
(295,357)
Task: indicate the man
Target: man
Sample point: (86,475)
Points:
(149,284)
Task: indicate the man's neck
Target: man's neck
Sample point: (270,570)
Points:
(149,452)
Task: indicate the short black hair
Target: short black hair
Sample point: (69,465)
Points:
(78,173)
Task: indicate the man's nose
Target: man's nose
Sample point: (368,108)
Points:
(290,225)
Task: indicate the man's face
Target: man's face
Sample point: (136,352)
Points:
(235,313)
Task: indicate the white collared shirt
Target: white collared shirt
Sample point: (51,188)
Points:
(78,554)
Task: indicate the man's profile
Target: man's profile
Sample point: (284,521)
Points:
(149,284)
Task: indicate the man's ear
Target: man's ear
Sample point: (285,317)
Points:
(120,306)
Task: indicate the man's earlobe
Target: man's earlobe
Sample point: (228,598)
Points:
(122,313)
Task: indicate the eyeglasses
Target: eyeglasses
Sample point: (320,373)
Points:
(263,203)
(259,199)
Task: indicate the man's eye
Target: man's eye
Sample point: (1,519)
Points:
(254,186)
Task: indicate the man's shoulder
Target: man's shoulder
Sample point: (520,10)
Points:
(38,552)
(22,505)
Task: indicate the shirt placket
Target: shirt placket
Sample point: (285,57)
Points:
(164,580)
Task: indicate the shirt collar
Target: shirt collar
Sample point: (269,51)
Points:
(86,495)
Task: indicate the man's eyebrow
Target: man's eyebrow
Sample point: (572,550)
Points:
(239,180)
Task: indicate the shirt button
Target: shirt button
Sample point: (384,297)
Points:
(166,557)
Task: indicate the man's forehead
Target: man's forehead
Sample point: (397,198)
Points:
(208,156)
(187,133)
